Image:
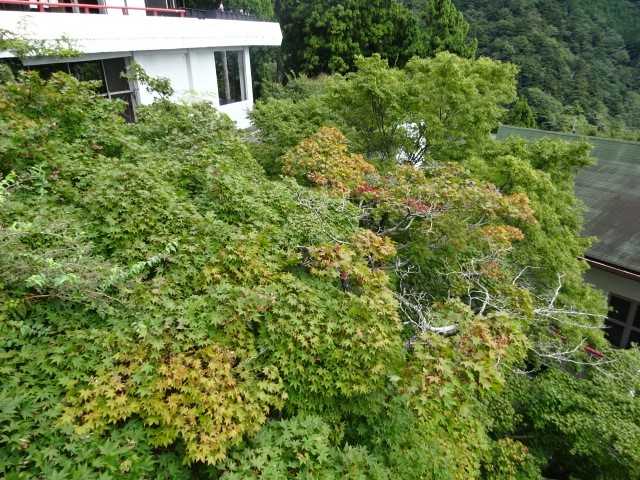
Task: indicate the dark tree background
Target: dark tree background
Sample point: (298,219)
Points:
(578,60)
(326,37)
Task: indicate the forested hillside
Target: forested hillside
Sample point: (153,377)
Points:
(579,60)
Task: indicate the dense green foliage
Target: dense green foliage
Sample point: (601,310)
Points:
(587,427)
(168,310)
(434,108)
(521,114)
(578,60)
(372,105)
(446,29)
(327,37)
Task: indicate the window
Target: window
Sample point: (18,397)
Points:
(70,9)
(229,70)
(161,4)
(82,9)
(622,325)
(106,71)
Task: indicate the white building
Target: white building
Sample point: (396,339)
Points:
(189,51)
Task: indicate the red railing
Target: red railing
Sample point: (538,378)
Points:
(590,351)
(87,7)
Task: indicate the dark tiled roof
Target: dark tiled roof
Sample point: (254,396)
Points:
(611,192)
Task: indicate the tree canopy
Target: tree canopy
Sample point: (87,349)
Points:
(446,29)
(170,310)
(326,37)
(433,108)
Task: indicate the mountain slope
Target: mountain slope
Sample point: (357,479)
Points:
(578,60)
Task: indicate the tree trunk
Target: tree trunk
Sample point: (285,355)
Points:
(225,78)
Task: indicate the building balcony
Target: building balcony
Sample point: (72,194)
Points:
(128,25)
(156,8)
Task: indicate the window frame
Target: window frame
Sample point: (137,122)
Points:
(241,85)
(130,92)
(627,325)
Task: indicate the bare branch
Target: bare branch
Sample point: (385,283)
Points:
(250,359)
(423,313)
(320,211)
(566,356)
(515,280)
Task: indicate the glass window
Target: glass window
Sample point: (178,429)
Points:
(108,71)
(613,332)
(228,74)
(619,308)
(46,71)
(92,2)
(113,68)
(623,321)
(86,71)
(634,337)
(636,318)
(161,4)
(128,112)
(14,7)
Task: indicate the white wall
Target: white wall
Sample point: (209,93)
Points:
(203,68)
(192,73)
(193,77)
(238,112)
(170,64)
(611,283)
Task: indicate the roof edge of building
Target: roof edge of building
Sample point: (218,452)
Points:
(575,136)
(611,268)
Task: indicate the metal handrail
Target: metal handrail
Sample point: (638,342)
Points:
(86,7)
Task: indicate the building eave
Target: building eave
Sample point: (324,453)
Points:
(620,271)
(125,33)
